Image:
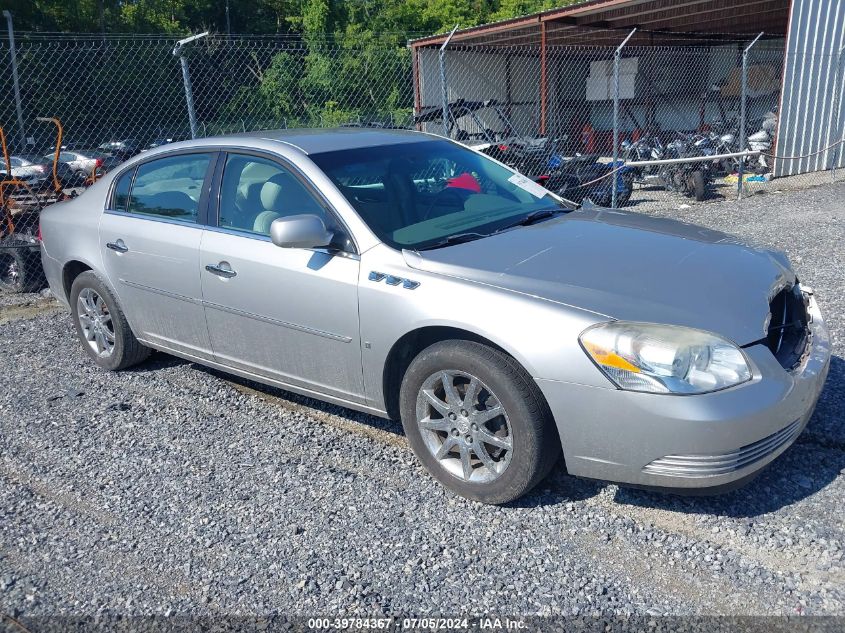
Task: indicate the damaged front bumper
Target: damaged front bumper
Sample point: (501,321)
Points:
(708,441)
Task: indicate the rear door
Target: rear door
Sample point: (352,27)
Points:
(150,238)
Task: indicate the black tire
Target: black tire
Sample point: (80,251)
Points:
(535,442)
(127,350)
(20,268)
(698,185)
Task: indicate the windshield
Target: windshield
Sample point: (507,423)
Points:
(417,195)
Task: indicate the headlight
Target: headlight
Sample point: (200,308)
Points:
(664,358)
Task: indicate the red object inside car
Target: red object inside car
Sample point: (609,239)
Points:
(465,181)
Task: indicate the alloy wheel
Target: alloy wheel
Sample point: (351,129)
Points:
(465,426)
(96,322)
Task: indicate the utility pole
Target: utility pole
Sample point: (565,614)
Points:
(15,82)
(179,51)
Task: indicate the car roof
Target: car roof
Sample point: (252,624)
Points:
(316,140)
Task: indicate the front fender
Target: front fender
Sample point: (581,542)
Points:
(541,335)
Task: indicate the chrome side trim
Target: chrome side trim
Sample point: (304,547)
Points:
(393,280)
(154,218)
(266,238)
(235,311)
(159,291)
(265,319)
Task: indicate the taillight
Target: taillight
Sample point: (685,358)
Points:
(38,233)
(99,162)
(503,148)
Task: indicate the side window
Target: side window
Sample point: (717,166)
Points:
(169,187)
(256,191)
(120,196)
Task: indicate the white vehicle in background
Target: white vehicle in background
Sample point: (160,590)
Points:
(81,163)
(28,171)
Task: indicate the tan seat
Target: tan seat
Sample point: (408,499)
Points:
(282,196)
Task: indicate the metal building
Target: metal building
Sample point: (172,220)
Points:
(549,71)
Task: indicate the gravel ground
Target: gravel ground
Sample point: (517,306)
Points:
(172,489)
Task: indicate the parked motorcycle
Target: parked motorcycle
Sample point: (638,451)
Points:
(583,178)
(689,179)
(762,141)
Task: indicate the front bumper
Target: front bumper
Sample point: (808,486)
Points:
(691,442)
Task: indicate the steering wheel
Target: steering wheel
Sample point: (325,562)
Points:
(453,192)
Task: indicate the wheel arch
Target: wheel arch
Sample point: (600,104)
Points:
(410,344)
(70,271)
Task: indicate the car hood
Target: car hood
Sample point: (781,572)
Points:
(627,266)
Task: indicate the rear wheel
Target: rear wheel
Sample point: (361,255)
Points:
(102,326)
(698,186)
(477,421)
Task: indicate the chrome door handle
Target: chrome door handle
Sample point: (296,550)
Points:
(221,270)
(117,246)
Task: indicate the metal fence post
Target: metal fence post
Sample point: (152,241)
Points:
(443,86)
(186,78)
(837,109)
(616,57)
(742,131)
(13,54)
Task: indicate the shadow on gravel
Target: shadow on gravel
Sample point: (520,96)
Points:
(815,460)
(290,399)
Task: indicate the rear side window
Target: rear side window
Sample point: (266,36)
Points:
(169,187)
(121,191)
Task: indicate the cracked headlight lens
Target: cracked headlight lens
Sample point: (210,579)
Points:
(664,358)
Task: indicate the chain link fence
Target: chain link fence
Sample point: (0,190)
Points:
(670,107)
(637,124)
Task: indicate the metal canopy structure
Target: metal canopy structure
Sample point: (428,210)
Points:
(594,22)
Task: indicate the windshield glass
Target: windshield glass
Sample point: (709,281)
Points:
(417,195)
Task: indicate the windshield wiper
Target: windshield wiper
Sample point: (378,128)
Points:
(457,238)
(534,217)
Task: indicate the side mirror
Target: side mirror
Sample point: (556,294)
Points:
(300,231)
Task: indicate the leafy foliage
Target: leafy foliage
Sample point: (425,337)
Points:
(338,62)
(313,19)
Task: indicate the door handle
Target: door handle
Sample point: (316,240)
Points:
(117,246)
(221,270)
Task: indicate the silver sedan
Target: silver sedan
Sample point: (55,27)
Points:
(407,276)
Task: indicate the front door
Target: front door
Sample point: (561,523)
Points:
(150,239)
(289,314)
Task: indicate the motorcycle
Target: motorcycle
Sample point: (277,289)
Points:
(689,179)
(763,140)
(583,178)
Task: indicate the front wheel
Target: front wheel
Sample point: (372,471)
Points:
(101,325)
(477,421)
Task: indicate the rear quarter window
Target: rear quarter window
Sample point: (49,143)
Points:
(120,195)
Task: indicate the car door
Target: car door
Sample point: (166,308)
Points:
(150,238)
(290,314)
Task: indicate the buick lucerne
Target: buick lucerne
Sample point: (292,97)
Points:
(410,277)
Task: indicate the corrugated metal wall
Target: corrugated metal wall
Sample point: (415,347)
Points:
(812,103)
